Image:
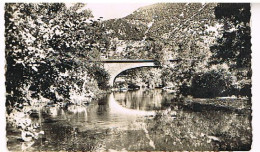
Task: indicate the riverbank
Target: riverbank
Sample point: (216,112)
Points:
(22,119)
(237,105)
(203,124)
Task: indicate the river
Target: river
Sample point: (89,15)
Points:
(136,120)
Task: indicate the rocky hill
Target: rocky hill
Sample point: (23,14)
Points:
(157,19)
(176,24)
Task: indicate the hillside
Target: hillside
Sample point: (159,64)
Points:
(174,24)
(161,18)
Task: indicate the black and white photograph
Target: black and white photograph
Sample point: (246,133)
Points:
(158,76)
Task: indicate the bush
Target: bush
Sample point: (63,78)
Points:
(246,90)
(210,84)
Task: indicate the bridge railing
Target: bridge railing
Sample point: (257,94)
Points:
(131,60)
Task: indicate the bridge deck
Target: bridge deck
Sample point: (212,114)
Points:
(130,61)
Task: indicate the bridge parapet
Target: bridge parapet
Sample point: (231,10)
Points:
(130,60)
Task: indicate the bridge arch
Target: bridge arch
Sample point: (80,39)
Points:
(114,68)
(127,70)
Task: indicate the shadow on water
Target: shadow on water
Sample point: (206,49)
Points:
(138,120)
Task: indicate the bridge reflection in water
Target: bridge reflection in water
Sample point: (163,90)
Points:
(115,107)
(119,120)
(118,109)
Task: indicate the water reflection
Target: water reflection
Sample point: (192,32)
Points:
(114,110)
(119,120)
(140,100)
(137,108)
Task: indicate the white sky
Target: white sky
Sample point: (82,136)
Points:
(117,10)
(113,10)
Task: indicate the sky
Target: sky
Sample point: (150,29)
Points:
(113,10)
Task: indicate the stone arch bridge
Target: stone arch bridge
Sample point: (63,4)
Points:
(115,67)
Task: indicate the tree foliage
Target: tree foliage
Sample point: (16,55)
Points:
(210,84)
(48,49)
(234,47)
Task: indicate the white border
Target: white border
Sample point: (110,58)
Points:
(2,82)
(256,74)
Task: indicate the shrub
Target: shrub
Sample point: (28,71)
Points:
(210,84)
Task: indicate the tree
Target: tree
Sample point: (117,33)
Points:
(48,49)
(234,47)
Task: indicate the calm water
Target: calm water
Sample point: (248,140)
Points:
(135,120)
